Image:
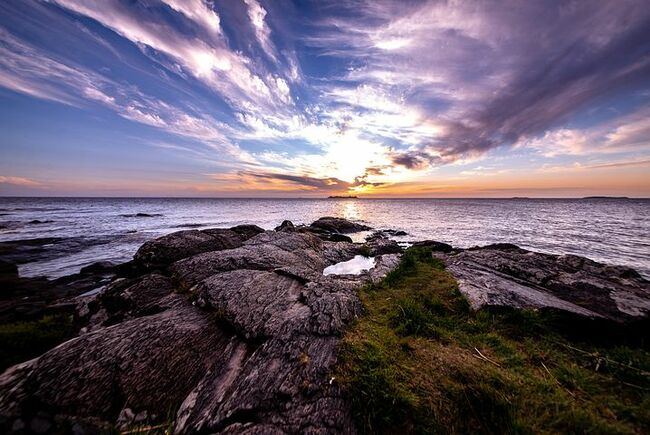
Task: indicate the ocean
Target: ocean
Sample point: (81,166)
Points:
(86,230)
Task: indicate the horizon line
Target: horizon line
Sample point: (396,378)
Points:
(325,197)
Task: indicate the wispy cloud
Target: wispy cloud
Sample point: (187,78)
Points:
(19,181)
(25,69)
(257,15)
(630,132)
(354,95)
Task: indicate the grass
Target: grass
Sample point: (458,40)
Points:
(420,361)
(21,341)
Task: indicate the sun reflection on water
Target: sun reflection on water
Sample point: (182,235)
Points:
(350,210)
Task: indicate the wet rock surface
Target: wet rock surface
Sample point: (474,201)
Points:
(506,275)
(233,330)
(236,330)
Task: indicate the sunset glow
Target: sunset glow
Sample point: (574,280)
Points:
(309,99)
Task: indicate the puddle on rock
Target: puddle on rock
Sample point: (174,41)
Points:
(355,266)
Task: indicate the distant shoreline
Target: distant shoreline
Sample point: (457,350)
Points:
(322,198)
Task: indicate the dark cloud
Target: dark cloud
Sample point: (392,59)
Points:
(413,159)
(324,184)
(549,86)
(300,180)
(494,72)
(375,170)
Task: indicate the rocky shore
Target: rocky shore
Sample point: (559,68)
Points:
(236,330)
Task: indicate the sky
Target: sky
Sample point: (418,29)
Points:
(396,98)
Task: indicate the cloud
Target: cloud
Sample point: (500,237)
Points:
(209,60)
(275,181)
(198,11)
(302,181)
(621,164)
(577,166)
(500,74)
(25,69)
(361,94)
(625,133)
(412,159)
(19,181)
(257,14)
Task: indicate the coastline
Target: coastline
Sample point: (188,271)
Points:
(271,301)
(92,230)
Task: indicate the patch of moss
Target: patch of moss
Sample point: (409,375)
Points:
(419,361)
(21,341)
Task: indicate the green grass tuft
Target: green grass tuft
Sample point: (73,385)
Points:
(419,361)
(21,341)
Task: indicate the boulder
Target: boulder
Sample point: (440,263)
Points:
(385,234)
(286,226)
(225,238)
(379,246)
(338,225)
(99,267)
(247,231)
(165,250)
(248,348)
(297,253)
(506,275)
(336,252)
(434,246)
(336,237)
(146,364)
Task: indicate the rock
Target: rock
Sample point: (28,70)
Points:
(335,252)
(248,349)
(385,234)
(150,363)
(286,226)
(338,225)
(98,267)
(225,238)
(165,250)
(24,298)
(8,271)
(238,331)
(335,237)
(434,246)
(298,253)
(379,246)
(247,231)
(126,299)
(383,265)
(506,275)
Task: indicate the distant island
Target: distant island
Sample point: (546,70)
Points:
(342,197)
(605,197)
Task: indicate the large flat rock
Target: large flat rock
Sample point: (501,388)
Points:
(506,275)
